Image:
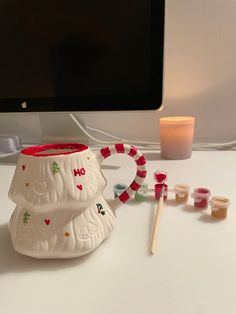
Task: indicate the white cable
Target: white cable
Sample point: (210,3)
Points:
(122,139)
(151,145)
(215,146)
(140,144)
(105,133)
(227,144)
(108,142)
(83,129)
(196,146)
(9,154)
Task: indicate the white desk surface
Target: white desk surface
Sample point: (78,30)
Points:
(192,272)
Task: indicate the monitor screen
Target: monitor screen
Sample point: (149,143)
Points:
(76,55)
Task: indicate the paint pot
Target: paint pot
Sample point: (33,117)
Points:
(160,176)
(201,197)
(181,193)
(141,194)
(158,190)
(219,206)
(118,189)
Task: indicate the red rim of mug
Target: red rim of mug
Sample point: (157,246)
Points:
(37,151)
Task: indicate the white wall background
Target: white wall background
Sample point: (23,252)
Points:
(199,80)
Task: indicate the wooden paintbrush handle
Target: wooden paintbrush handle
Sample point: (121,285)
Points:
(156,224)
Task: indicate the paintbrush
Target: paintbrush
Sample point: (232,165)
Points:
(157,220)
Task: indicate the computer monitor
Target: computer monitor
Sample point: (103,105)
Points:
(81,55)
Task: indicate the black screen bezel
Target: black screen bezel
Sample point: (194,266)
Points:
(151,100)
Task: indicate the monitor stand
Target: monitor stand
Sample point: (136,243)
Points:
(59,127)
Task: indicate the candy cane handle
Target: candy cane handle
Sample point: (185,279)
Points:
(141,173)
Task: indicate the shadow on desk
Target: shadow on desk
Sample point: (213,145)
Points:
(13,262)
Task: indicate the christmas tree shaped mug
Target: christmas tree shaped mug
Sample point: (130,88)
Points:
(60,208)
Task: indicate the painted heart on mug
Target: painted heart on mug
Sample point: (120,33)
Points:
(47,221)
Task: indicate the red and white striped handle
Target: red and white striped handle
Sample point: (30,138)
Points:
(140,174)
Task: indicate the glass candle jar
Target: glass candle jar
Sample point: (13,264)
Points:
(181,193)
(219,206)
(201,197)
(176,137)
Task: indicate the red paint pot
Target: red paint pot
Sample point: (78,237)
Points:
(158,189)
(160,176)
(201,197)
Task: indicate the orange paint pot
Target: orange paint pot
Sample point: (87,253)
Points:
(219,206)
(181,193)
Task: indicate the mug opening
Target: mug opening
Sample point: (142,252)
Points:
(54,149)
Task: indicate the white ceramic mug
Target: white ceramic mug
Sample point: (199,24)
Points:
(58,189)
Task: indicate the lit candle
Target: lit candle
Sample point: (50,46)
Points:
(176,137)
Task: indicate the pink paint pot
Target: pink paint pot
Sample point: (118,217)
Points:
(201,197)
(158,189)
